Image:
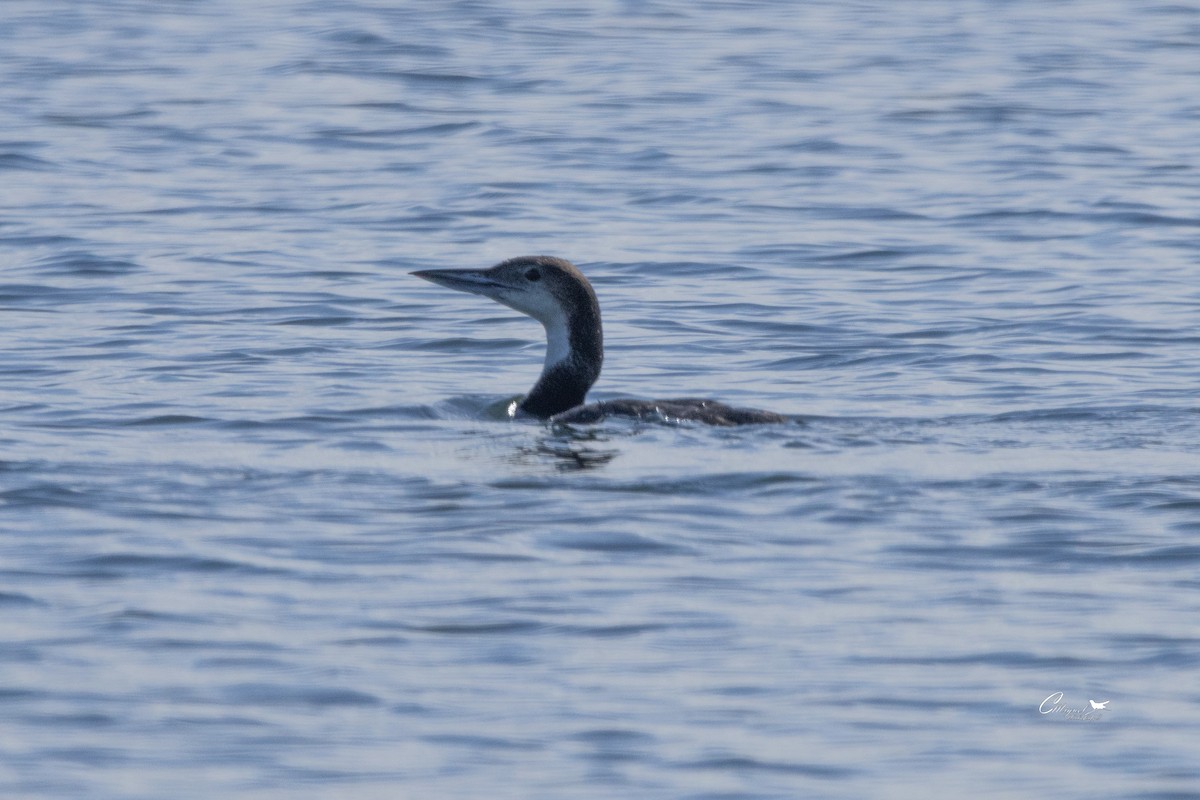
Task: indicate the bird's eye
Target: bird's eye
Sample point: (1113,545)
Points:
(533,275)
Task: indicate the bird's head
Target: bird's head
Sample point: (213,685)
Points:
(551,290)
(544,287)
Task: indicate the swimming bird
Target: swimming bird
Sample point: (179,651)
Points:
(555,293)
(1097,706)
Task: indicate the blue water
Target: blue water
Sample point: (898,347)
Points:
(263,536)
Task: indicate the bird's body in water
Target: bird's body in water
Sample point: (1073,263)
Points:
(555,293)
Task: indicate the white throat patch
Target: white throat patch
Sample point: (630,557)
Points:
(558,339)
(540,304)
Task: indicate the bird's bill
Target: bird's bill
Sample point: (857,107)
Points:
(475,281)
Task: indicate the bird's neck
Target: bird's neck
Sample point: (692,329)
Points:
(560,387)
(574,355)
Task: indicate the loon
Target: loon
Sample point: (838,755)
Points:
(555,293)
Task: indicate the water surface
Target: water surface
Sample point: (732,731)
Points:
(262,536)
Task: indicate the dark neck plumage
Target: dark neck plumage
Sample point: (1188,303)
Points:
(574,355)
(561,387)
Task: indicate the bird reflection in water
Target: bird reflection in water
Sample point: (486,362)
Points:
(571,452)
